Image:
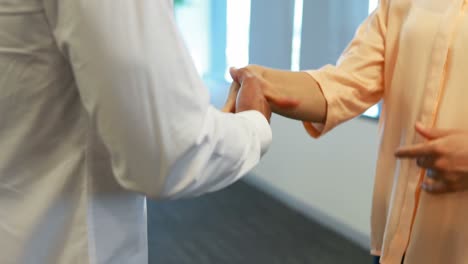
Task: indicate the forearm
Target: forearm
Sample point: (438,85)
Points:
(216,158)
(300,86)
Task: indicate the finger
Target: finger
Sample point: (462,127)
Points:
(443,164)
(233,91)
(434,174)
(454,178)
(436,187)
(417,150)
(433,133)
(442,187)
(230,105)
(234,72)
(426,162)
(242,74)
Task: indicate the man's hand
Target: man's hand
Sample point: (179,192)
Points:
(230,104)
(444,156)
(250,97)
(273,96)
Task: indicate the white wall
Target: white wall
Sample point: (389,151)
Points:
(331,179)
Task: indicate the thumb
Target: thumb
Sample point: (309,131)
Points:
(234,72)
(230,105)
(433,133)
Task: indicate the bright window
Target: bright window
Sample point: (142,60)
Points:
(297,35)
(217,34)
(193,19)
(373,5)
(237,34)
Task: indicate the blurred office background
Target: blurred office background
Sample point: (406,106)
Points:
(309,200)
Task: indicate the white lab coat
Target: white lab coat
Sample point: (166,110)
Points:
(101,106)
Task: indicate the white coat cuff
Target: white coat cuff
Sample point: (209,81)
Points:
(262,126)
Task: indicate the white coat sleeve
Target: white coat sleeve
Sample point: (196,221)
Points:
(141,90)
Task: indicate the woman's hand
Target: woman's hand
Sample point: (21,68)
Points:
(444,156)
(253,72)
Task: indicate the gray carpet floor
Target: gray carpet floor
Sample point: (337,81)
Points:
(242,225)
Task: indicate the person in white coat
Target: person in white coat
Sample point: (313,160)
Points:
(101,107)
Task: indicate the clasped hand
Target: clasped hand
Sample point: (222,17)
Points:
(250,91)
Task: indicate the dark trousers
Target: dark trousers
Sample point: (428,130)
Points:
(377,260)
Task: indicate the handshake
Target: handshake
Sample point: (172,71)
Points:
(250,90)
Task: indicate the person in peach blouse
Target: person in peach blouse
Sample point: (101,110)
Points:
(411,55)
